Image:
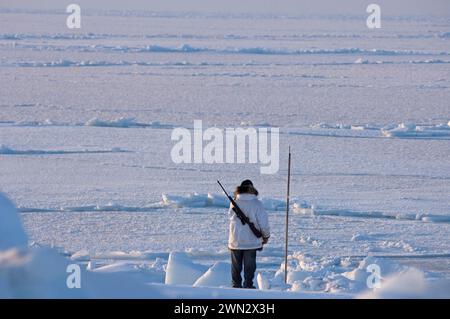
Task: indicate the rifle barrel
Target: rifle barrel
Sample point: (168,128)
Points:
(223,188)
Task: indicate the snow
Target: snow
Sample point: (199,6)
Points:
(51,282)
(43,274)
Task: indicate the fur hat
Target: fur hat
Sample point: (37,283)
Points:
(246,187)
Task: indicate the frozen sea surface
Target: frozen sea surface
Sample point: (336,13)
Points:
(86,119)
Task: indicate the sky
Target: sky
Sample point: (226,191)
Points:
(291,7)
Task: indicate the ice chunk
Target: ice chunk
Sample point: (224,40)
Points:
(12,233)
(435,218)
(123,266)
(35,273)
(263,282)
(216,276)
(91,265)
(361,61)
(81,255)
(181,270)
(303,208)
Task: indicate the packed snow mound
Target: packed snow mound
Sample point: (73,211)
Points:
(334,274)
(181,270)
(12,233)
(216,276)
(386,266)
(412,284)
(306,273)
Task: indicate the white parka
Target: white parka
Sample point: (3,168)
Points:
(241,236)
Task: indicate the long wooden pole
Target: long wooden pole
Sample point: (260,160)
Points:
(287,216)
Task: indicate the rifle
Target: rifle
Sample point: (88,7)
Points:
(240,214)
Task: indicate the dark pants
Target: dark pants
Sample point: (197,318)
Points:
(248,259)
